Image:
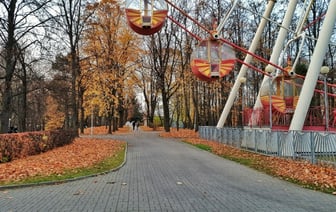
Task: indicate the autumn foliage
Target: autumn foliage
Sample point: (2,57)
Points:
(146,128)
(112,53)
(20,145)
(182,133)
(302,172)
(79,154)
(54,116)
(103,130)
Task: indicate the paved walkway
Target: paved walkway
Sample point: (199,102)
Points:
(165,175)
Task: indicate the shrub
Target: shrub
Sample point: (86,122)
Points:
(20,145)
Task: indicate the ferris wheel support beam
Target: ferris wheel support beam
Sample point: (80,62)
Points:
(248,58)
(313,72)
(279,44)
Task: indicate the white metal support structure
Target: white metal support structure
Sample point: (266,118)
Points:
(298,35)
(308,87)
(279,44)
(248,58)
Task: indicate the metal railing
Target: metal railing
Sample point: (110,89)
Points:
(317,147)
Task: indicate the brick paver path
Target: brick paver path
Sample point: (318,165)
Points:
(165,175)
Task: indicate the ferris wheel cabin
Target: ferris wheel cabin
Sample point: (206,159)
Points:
(286,93)
(212,59)
(146,17)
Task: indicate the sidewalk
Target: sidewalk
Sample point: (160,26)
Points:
(164,175)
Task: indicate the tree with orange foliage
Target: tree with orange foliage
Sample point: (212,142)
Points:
(112,53)
(54,115)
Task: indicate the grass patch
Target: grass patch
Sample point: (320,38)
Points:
(203,147)
(106,165)
(330,158)
(250,162)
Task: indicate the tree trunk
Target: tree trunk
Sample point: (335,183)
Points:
(6,110)
(109,122)
(165,102)
(10,61)
(195,96)
(186,98)
(74,106)
(23,107)
(81,112)
(122,119)
(178,111)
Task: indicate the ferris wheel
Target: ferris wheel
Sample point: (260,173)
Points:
(214,57)
(211,58)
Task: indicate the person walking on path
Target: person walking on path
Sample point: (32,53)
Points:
(133,124)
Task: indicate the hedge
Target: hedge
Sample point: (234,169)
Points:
(19,145)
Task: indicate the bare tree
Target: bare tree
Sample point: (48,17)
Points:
(165,64)
(71,20)
(146,83)
(21,24)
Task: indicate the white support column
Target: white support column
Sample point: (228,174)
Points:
(313,72)
(248,58)
(279,44)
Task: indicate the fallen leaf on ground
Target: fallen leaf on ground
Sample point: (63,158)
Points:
(83,152)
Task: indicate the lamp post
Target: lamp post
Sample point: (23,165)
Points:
(270,69)
(91,129)
(324,71)
(9,124)
(92,114)
(242,81)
